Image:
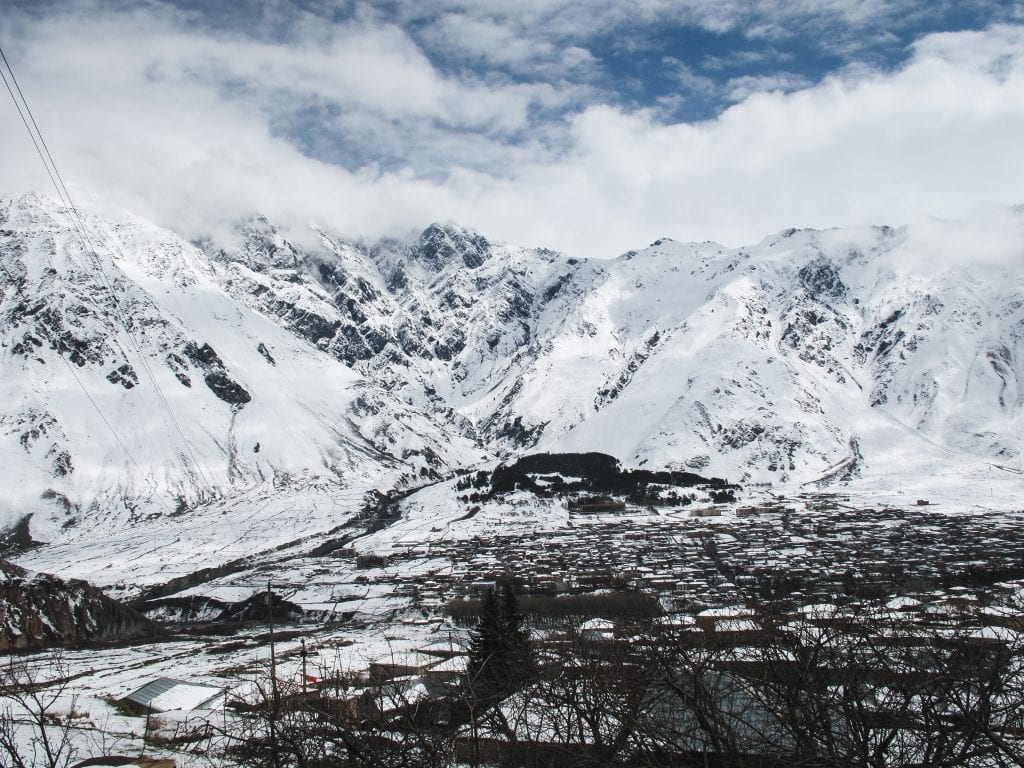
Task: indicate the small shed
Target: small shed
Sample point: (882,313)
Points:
(444,649)
(166,694)
(597,630)
(448,671)
(400,664)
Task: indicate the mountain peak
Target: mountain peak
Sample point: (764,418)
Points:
(264,246)
(440,244)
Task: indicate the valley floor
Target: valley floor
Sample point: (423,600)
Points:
(383,595)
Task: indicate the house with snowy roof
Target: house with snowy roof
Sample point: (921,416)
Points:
(166,694)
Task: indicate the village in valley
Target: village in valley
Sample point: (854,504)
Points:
(384,618)
(816,549)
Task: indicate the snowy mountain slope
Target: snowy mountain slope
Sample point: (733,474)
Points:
(813,355)
(808,353)
(301,377)
(438,323)
(249,405)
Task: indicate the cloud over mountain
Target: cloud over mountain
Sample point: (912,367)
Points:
(544,126)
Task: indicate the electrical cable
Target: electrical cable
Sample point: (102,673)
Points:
(24,121)
(91,250)
(74,374)
(79,225)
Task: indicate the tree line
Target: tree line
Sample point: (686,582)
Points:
(864,687)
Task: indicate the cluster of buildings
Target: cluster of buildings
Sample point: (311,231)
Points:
(807,550)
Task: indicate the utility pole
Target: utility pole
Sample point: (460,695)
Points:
(304,678)
(275,700)
(273,654)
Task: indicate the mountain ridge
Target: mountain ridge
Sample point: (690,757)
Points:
(812,357)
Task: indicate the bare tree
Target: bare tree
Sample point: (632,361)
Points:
(857,687)
(36,716)
(346,720)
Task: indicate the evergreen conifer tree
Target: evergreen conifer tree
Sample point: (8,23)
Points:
(486,650)
(499,654)
(515,637)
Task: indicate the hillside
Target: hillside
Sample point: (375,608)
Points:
(247,393)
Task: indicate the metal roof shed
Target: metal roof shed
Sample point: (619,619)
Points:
(165,694)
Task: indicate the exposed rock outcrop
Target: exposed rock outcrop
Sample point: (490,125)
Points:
(38,610)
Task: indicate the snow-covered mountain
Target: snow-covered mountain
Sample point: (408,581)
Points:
(136,385)
(810,356)
(254,368)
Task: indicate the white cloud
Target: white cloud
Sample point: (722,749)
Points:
(180,126)
(985,237)
(568,19)
(491,42)
(740,88)
(688,79)
(939,137)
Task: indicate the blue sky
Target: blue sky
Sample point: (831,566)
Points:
(688,61)
(591,127)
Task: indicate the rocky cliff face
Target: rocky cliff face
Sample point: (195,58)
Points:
(38,610)
(437,323)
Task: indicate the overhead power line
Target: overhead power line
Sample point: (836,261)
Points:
(78,223)
(53,342)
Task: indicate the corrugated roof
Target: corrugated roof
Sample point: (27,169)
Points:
(165,694)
